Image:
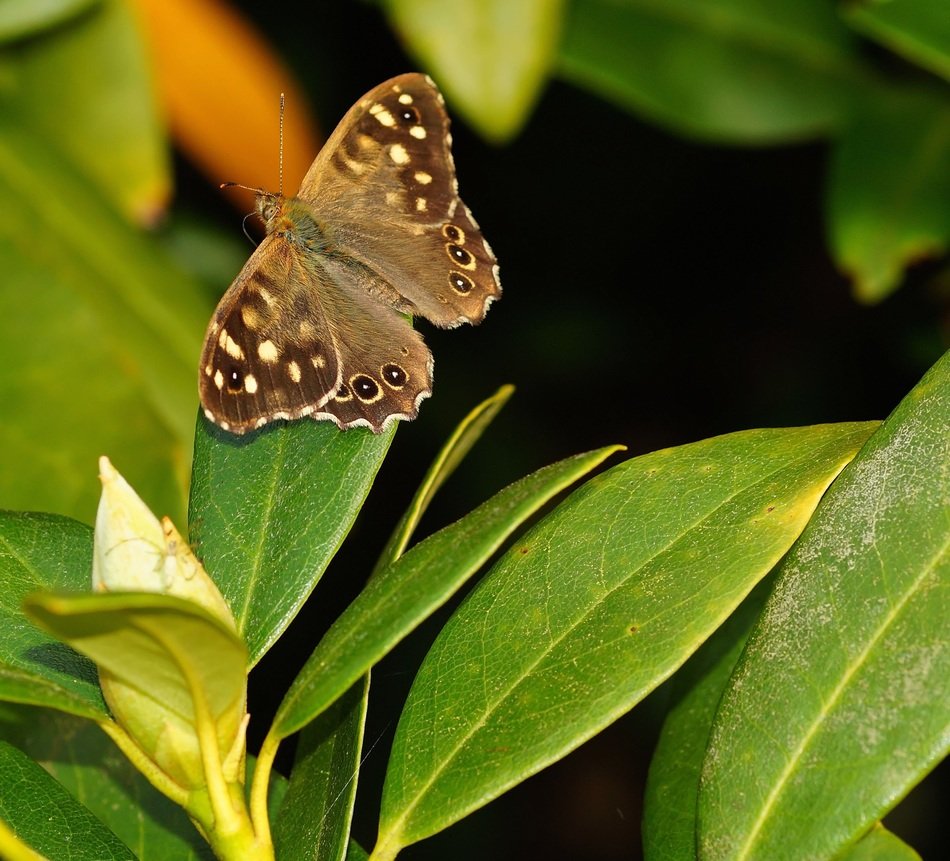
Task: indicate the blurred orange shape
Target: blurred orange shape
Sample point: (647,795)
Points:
(220,84)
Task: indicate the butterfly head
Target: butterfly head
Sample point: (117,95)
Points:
(269,206)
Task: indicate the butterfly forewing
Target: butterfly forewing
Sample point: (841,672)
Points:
(311,326)
(269,351)
(386,183)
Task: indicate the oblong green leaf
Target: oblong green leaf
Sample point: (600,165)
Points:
(84,760)
(87,87)
(47,818)
(451,455)
(745,71)
(669,804)
(27,17)
(598,604)
(879,844)
(101,326)
(314,819)
(269,510)
(491,58)
(889,190)
(405,593)
(917,29)
(43,551)
(840,702)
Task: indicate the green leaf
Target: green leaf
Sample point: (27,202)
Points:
(669,810)
(269,510)
(355,852)
(42,551)
(86,762)
(99,326)
(47,818)
(741,71)
(314,819)
(491,58)
(879,844)
(840,701)
(889,193)
(597,605)
(452,454)
(116,139)
(917,29)
(405,593)
(20,18)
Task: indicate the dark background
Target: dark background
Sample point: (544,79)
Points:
(657,291)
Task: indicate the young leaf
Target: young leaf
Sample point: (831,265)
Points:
(592,609)
(47,818)
(401,596)
(183,664)
(490,58)
(744,71)
(314,818)
(889,192)
(43,551)
(840,701)
(269,510)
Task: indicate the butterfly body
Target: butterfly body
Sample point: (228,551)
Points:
(312,324)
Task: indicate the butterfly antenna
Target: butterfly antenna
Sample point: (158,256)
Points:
(280,164)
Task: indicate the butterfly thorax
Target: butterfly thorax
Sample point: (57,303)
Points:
(292,219)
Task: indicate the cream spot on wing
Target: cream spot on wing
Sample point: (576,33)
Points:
(294,370)
(219,379)
(266,296)
(223,338)
(422,177)
(318,361)
(250,383)
(405,99)
(397,152)
(356,166)
(383,116)
(267,351)
(420,204)
(208,370)
(250,316)
(233,349)
(418,132)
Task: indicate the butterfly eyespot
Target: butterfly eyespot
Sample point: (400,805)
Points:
(394,376)
(235,380)
(460,283)
(453,233)
(343,393)
(365,388)
(404,351)
(460,256)
(408,115)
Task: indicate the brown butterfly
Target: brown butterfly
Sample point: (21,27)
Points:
(311,326)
